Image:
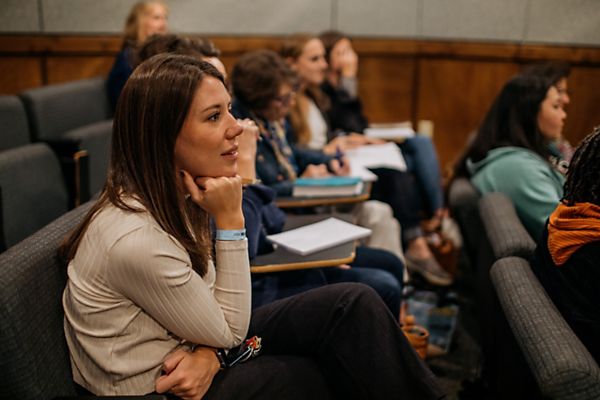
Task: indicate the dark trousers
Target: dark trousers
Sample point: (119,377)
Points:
(398,189)
(338,341)
(377,268)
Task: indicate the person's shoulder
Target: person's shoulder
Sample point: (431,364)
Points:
(516,162)
(512,154)
(114,225)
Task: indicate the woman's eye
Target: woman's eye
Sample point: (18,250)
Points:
(214,117)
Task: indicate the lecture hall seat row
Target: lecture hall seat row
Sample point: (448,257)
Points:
(538,354)
(54,153)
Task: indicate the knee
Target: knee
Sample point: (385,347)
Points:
(382,291)
(378,212)
(350,292)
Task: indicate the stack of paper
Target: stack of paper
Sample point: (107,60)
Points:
(376,156)
(327,187)
(395,133)
(319,236)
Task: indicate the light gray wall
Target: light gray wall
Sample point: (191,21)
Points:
(574,22)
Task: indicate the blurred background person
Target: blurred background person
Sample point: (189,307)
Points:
(146,18)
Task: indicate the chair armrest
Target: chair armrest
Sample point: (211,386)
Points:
(561,364)
(505,231)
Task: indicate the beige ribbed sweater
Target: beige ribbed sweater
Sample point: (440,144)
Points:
(132,298)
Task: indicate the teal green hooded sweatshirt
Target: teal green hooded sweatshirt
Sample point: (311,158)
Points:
(533,185)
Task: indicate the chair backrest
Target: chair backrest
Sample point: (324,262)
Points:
(14,131)
(95,139)
(55,109)
(33,190)
(34,357)
(561,364)
(463,198)
(507,235)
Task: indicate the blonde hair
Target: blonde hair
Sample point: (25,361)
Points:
(132,23)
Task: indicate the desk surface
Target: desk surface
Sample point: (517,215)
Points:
(284,260)
(292,202)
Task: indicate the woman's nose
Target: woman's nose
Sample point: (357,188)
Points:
(234,130)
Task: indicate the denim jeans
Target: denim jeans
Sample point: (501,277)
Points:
(421,160)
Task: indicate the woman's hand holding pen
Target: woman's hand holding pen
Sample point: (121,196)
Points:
(340,166)
(221,197)
(315,171)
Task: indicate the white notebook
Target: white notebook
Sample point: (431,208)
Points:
(391,133)
(376,156)
(321,235)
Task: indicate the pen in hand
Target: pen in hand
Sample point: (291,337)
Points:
(339,156)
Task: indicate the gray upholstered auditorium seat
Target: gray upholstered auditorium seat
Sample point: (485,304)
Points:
(33,351)
(506,233)
(95,139)
(54,110)
(74,118)
(33,190)
(562,366)
(34,357)
(14,131)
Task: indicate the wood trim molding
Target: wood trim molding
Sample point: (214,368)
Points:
(28,45)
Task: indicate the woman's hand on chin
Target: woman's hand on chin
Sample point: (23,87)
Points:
(188,374)
(221,197)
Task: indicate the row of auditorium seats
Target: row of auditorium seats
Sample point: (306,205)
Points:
(54,150)
(529,350)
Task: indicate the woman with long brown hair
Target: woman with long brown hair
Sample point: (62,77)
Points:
(153,304)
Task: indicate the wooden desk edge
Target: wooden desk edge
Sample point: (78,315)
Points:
(261,269)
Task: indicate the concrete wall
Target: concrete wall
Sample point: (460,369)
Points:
(575,22)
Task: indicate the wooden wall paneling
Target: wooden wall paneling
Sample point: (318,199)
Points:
(583,113)
(19,73)
(64,69)
(455,94)
(386,87)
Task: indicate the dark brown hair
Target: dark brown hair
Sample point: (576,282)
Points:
(554,70)
(257,76)
(149,116)
(583,175)
(175,44)
(510,121)
(329,40)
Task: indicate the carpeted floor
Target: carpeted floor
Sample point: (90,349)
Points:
(458,369)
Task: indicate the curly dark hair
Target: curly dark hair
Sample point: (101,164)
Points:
(583,176)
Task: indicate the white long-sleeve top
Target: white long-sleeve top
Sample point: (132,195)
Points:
(132,298)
